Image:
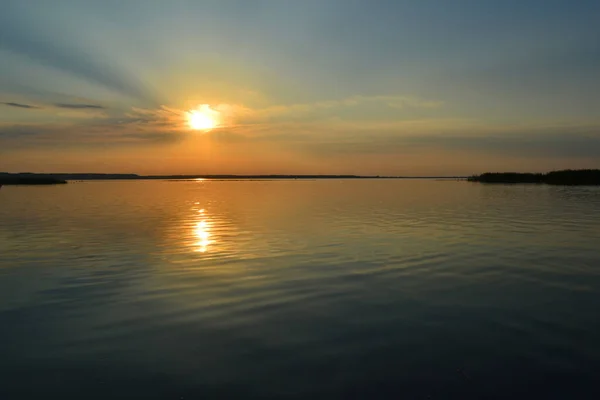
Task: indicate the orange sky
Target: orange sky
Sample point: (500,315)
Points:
(298,87)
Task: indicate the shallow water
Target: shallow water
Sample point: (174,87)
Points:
(409,289)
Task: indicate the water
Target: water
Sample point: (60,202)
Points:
(409,289)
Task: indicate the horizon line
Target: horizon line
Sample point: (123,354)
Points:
(191,176)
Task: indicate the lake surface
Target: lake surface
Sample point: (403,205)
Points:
(391,289)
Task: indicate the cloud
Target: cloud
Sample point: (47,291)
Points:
(79,106)
(176,120)
(165,118)
(19,105)
(350,104)
(74,135)
(315,138)
(539,142)
(16,131)
(61,106)
(98,129)
(398,102)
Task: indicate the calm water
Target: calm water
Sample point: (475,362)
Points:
(299,289)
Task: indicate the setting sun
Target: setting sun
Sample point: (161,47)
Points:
(203,118)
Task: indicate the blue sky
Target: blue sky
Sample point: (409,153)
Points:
(331,86)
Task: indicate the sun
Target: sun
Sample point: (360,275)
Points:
(200,121)
(204,118)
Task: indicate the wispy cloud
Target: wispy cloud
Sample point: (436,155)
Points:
(352,103)
(275,117)
(398,102)
(541,142)
(19,105)
(80,106)
(174,119)
(51,106)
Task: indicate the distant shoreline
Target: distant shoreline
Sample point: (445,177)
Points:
(99,176)
(589,177)
(582,177)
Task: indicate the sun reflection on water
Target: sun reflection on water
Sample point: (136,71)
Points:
(202,233)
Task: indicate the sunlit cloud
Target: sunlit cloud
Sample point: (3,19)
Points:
(178,120)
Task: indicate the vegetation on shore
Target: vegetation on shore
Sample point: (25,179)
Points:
(563,177)
(29,179)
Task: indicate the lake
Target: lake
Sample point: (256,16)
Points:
(328,289)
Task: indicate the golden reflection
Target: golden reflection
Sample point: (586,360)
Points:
(199,229)
(202,234)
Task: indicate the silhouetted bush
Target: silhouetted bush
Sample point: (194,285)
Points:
(564,177)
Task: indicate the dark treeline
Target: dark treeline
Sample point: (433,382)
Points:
(564,177)
(29,179)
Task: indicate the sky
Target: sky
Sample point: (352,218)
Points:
(382,87)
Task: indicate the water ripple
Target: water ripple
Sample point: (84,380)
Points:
(298,289)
